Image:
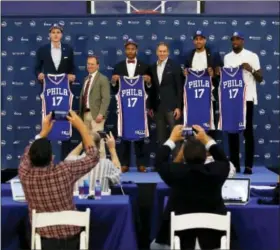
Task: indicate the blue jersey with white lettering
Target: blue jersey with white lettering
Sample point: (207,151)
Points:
(197,100)
(131,104)
(232,95)
(57,98)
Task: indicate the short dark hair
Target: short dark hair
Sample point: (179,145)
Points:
(194,151)
(40,153)
(95,57)
(163,44)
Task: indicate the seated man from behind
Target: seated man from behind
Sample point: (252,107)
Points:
(49,187)
(107,172)
(196,187)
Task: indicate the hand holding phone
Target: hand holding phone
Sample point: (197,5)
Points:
(102,134)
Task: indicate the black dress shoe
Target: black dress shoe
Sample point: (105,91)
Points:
(248,170)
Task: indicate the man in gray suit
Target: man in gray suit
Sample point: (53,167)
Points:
(95,99)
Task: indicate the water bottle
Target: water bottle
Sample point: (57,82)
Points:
(97,190)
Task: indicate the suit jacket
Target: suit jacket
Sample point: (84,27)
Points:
(99,96)
(213,60)
(167,95)
(44,62)
(194,188)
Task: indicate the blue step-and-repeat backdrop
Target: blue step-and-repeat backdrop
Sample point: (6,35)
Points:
(104,36)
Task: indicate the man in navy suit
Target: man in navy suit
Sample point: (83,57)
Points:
(56,58)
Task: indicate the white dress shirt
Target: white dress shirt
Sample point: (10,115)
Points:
(90,86)
(56,55)
(199,61)
(131,67)
(245,56)
(160,69)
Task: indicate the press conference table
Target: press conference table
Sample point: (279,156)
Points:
(111,223)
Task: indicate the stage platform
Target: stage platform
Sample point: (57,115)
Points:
(260,176)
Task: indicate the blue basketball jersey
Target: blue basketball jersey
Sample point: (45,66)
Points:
(131,104)
(57,98)
(197,100)
(232,95)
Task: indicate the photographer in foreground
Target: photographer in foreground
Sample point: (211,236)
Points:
(196,187)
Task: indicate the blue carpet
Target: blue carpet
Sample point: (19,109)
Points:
(260,176)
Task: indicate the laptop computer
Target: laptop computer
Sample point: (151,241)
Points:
(236,191)
(17,190)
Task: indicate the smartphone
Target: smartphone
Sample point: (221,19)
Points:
(187,131)
(102,134)
(59,115)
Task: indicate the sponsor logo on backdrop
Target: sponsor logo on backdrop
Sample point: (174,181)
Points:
(248,22)
(81,38)
(3,24)
(9,127)
(153,126)
(176,52)
(152,155)
(90,23)
(263,52)
(38,98)
(39,38)
(3,53)
(225,38)
(111,37)
(32,23)
(263,23)
(148,22)
(76,23)
(16,142)
(211,37)
(18,53)
(139,37)
(276,53)
(267,156)
(77,53)
(59,142)
(96,38)
(118,141)
(67,38)
(276,82)
(267,126)
(162,22)
(183,37)
(276,112)
(3,83)
(256,156)
(9,98)
(3,112)
(205,22)
(18,24)
(220,22)
(268,97)
(269,37)
(234,22)
(32,112)
(255,38)
(119,52)
(119,22)
(133,22)
(47,24)
(125,37)
(23,68)
(10,68)
(18,83)
(90,52)
(168,38)
(104,22)
(261,111)
(9,157)
(23,127)
(3,142)
(17,113)
(110,68)
(32,83)
(261,141)
(268,67)
(275,22)
(104,52)
(255,126)
(146,140)
(262,82)
(148,52)
(10,38)
(154,37)
(32,53)
(190,23)
(38,127)
(176,22)
(61,22)
(278,67)
(81,68)
(274,141)
(24,39)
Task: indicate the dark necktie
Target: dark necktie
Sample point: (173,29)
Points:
(131,61)
(85,95)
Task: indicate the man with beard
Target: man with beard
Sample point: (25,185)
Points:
(239,56)
(201,58)
(131,67)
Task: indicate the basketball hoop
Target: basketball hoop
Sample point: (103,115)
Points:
(145,12)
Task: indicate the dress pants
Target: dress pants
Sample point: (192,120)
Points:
(94,127)
(233,139)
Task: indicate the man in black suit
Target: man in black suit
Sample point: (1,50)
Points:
(56,58)
(196,187)
(167,92)
(202,58)
(132,67)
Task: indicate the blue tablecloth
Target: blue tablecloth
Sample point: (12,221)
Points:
(111,224)
(257,226)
